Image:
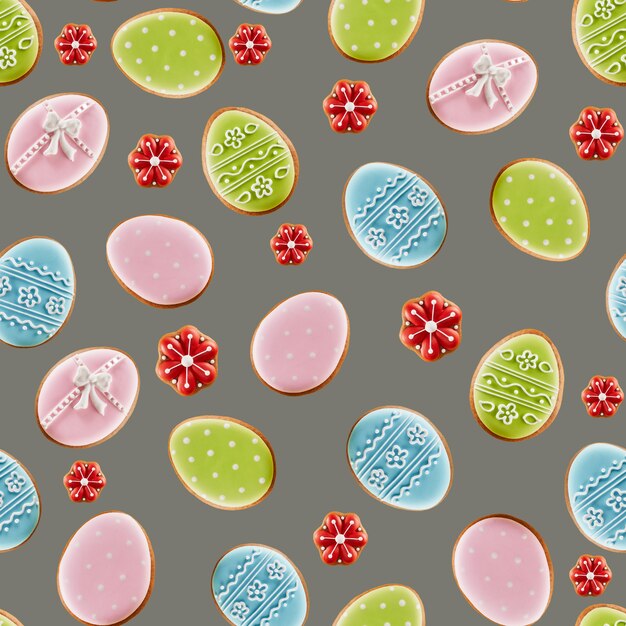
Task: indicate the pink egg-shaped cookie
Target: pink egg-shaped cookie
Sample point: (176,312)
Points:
(482,86)
(160,260)
(301,343)
(57,142)
(503,569)
(106,571)
(87,397)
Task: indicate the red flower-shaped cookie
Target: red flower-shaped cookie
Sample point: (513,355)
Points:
(250,44)
(596,134)
(155,161)
(340,538)
(84,482)
(291,244)
(590,575)
(187,360)
(75,44)
(431,325)
(350,107)
(602,396)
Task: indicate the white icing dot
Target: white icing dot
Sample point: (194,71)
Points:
(128,45)
(172,33)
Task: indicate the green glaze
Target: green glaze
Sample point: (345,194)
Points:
(516,390)
(374,30)
(19,41)
(169,52)
(7,620)
(540,210)
(223,462)
(604,616)
(248,161)
(391,605)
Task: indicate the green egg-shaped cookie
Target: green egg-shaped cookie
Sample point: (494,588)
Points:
(540,210)
(8,620)
(20,41)
(518,385)
(602,615)
(173,53)
(222,461)
(373,30)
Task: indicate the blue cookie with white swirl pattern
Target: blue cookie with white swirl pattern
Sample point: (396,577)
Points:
(616,298)
(274,7)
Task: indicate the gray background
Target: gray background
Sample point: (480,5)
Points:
(499,288)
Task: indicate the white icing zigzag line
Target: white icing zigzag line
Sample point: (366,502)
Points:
(611,484)
(241,572)
(9,318)
(394,416)
(246,164)
(601,29)
(417,235)
(17,514)
(527,392)
(362,212)
(282,603)
(593,484)
(414,479)
(251,620)
(33,268)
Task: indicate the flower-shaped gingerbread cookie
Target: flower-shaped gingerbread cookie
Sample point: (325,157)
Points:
(250,44)
(602,396)
(291,244)
(596,134)
(350,106)
(84,481)
(75,44)
(590,575)
(155,161)
(340,539)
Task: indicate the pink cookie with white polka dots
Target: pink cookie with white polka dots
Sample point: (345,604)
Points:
(106,571)
(301,343)
(160,260)
(503,569)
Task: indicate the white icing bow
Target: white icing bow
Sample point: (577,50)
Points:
(90,383)
(58,129)
(488,73)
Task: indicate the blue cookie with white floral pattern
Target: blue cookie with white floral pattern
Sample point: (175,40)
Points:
(274,7)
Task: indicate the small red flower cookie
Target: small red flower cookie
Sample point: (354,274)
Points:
(596,134)
(155,161)
(431,326)
(75,44)
(340,538)
(291,244)
(187,360)
(84,481)
(590,575)
(350,106)
(602,396)
(250,44)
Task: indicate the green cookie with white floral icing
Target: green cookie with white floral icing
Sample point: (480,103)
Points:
(540,210)
(517,387)
(20,41)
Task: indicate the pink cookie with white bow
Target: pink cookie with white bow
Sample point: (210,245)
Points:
(106,571)
(87,397)
(57,142)
(482,86)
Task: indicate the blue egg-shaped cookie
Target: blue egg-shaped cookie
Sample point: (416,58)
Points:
(274,7)
(596,491)
(400,458)
(395,216)
(616,298)
(37,291)
(19,504)
(255,585)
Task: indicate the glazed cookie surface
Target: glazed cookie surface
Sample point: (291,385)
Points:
(540,210)
(393,215)
(590,576)
(274,7)
(75,44)
(376,30)
(616,298)
(602,615)
(173,53)
(8,620)
(340,539)
(249,162)
(20,41)
(223,462)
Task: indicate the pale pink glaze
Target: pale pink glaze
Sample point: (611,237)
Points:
(299,345)
(503,570)
(466,113)
(57,172)
(163,260)
(59,396)
(105,572)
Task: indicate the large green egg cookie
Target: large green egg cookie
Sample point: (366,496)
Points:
(170,52)
(517,388)
(374,30)
(540,210)
(8,620)
(223,462)
(20,40)
(602,615)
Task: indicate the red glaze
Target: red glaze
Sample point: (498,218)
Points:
(291,244)
(340,538)
(155,161)
(187,360)
(431,326)
(590,575)
(84,481)
(250,44)
(350,107)
(75,44)
(596,134)
(602,396)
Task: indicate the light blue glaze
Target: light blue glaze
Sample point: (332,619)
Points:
(395,216)
(616,299)
(19,503)
(596,487)
(400,459)
(271,6)
(36,291)
(258,586)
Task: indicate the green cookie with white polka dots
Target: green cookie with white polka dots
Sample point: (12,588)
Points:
(540,210)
